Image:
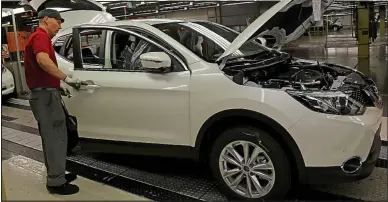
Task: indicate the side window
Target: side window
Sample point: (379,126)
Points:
(59,43)
(199,44)
(90,48)
(126,50)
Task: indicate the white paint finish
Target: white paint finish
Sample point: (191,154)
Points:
(253,27)
(7,131)
(7,82)
(135,106)
(35,144)
(18,101)
(38,147)
(25,179)
(10,136)
(22,138)
(32,138)
(328,140)
(88,17)
(212,92)
(384,131)
(171,108)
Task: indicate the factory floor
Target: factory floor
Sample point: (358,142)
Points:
(24,172)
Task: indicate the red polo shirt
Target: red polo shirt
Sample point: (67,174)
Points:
(36,77)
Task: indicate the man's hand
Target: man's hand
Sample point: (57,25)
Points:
(75,83)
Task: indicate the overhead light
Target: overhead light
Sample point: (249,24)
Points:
(61,9)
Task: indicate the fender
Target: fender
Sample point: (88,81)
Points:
(286,137)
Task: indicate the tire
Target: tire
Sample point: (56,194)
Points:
(255,138)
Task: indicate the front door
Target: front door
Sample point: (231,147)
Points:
(124,101)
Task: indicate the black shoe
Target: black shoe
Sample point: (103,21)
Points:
(65,189)
(70,177)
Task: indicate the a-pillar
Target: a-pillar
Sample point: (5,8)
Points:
(363,37)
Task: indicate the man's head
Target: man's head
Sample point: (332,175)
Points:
(51,21)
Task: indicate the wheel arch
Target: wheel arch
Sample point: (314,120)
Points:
(221,120)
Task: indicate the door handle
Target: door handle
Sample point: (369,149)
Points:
(88,85)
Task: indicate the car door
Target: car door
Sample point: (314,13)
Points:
(124,104)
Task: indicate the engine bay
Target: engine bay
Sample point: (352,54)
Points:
(296,74)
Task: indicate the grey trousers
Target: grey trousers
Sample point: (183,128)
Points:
(47,109)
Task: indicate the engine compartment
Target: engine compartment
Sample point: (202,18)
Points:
(297,74)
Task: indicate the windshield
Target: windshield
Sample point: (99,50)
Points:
(230,35)
(207,40)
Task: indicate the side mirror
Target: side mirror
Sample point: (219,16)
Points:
(155,61)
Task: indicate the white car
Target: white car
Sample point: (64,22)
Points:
(7,81)
(260,118)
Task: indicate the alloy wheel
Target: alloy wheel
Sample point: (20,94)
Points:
(247,169)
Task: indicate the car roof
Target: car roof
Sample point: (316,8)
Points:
(133,22)
(149,21)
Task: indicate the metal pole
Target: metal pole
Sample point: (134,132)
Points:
(19,67)
(382,22)
(363,14)
(351,20)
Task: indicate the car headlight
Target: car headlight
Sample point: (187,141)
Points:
(329,102)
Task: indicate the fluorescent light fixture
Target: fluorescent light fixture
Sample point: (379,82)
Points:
(61,9)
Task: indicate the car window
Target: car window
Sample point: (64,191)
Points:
(126,50)
(90,48)
(58,44)
(198,43)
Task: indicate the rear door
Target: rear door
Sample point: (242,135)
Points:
(123,102)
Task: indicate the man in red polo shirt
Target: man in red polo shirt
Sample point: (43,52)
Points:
(43,79)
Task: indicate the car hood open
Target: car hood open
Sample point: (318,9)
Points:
(75,12)
(287,18)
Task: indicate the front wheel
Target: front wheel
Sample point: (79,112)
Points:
(248,165)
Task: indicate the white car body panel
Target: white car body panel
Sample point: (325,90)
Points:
(329,140)
(7,82)
(88,17)
(129,107)
(171,108)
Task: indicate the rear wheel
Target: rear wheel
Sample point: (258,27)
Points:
(249,165)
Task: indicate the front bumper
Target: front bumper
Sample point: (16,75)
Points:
(328,140)
(325,175)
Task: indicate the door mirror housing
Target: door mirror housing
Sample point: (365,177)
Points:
(155,61)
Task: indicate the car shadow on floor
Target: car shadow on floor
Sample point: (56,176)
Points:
(183,168)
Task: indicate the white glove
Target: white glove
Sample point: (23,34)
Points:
(75,83)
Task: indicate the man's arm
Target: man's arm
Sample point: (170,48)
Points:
(41,48)
(49,66)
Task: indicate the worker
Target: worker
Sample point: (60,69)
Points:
(43,79)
